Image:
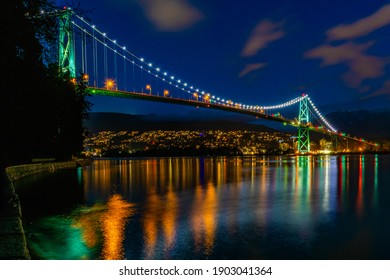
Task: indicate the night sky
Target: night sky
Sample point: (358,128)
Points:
(256,52)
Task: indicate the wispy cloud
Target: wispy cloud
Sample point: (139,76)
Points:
(263,34)
(384,90)
(250,68)
(361,27)
(171,15)
(360,65)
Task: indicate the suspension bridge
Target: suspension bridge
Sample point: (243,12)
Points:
(108,69)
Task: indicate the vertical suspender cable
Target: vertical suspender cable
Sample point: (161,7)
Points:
(94,57)
(133,77)
(142,79)
(149,77)
(82,52)
(115,65)
(124,69)
(85,52)
(105,57)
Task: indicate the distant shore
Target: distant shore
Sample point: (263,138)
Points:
(151,155)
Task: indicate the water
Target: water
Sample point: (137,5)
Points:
(325,207)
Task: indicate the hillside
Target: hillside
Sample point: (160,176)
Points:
(118,122)
(372,125)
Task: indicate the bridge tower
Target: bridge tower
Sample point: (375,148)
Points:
(66,55)
(303,129)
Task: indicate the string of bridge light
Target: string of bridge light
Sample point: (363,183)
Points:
(185,85)
(320,115)
(197,91)
(283,105)
(136,64)
(178,83)
(171,78)
(157,69)
(105,44)
(314,115)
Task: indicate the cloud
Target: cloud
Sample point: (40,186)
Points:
(264,33)
(171,15)
(384,90)
(361,27)
(337,54)
(360,65)
(251,67)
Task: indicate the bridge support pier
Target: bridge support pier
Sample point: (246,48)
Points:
(303,128)
(66,55)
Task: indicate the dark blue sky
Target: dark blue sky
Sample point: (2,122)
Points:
(257,52)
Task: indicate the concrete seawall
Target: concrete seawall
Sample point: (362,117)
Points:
(20,171)
(13,244)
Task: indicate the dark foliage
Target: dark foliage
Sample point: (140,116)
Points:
(41,110)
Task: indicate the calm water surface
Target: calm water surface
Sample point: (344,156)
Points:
(325,207)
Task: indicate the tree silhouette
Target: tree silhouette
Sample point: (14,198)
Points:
(41,110)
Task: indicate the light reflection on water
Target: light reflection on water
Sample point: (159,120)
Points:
(228,208)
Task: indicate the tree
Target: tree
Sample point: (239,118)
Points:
(41,111)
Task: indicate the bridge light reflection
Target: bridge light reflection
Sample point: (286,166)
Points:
(113,223)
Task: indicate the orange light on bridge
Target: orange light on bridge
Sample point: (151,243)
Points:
(166,92)
(149,87)
(110,84)
(196,96)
